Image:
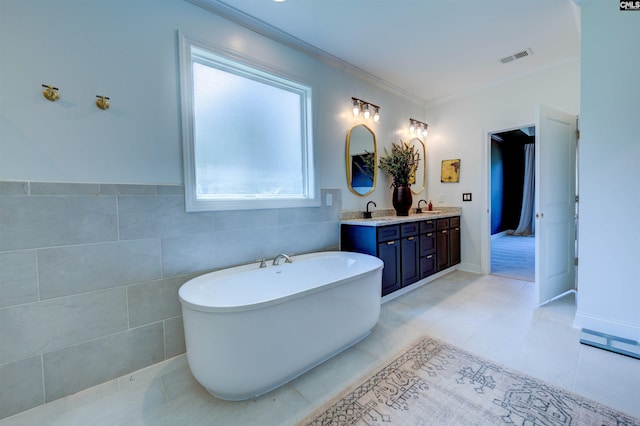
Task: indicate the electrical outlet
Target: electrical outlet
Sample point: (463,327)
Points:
(329,200)
(466,196)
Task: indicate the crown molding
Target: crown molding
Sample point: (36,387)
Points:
(267,30)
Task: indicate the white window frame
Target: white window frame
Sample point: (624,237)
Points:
(190,50)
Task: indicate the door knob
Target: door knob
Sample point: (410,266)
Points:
(539,215)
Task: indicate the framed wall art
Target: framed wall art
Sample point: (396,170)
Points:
(450,171)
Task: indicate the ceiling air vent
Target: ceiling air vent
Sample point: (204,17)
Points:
(522,54)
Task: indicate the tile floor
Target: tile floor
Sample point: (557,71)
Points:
(491,316)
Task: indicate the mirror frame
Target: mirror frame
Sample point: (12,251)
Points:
(423,159)
(348,160)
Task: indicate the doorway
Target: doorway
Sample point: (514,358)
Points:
(554,202)
(512,226)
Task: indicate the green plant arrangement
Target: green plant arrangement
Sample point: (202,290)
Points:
(400,164)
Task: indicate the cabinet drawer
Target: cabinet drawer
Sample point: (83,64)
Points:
(427,243)
(409,229)
(443,223)
(427,265)
(388,233)
(427,226)
(454,222)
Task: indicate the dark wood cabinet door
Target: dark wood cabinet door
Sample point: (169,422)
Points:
(389,253)
(410,260)
(454,246)
(442,249)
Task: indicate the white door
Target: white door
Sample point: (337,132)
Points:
(555,192)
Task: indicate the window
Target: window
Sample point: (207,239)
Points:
(247,135)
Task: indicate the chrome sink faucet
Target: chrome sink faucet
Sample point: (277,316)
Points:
(279,257)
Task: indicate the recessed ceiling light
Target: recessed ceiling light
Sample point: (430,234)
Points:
(279,1)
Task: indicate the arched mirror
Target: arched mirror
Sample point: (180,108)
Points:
(361,160)
(420,173)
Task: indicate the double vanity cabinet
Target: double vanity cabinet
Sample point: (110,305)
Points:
(412,248)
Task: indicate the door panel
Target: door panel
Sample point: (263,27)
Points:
(555,200)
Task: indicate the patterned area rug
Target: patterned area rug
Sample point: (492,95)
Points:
(434,383)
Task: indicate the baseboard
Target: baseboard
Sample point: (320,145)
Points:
(469,267)
(416,285)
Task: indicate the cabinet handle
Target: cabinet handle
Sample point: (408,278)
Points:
(390,243)
(411,238)
(444,231)
(457,229)
(429,234)
(430,256)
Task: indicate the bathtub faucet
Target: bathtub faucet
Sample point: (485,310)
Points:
(279,257)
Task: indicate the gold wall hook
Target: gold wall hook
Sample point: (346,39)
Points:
(50,93)
(102,102)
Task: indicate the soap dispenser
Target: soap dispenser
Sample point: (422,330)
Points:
(430,206)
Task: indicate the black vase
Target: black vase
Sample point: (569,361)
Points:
(402,200)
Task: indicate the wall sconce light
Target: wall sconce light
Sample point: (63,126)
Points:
(366,108)
(50,93)
(419,127)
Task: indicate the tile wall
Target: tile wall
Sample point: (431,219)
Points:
(89,275)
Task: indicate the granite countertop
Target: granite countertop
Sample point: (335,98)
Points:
(391,219)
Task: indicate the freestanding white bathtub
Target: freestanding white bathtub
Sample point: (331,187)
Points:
(249,330)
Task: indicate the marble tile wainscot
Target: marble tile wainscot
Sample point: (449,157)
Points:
(89,275)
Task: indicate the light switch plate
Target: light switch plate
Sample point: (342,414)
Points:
(466,196)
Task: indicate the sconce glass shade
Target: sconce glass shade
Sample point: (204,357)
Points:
(356,108)
(366,113)
(412,127)
(376,115)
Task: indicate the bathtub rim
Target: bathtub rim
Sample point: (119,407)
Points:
(377,264)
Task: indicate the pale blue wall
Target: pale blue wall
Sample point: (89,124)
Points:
(608,275)
(128,51)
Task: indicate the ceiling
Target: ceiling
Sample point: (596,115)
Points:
(426,50)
